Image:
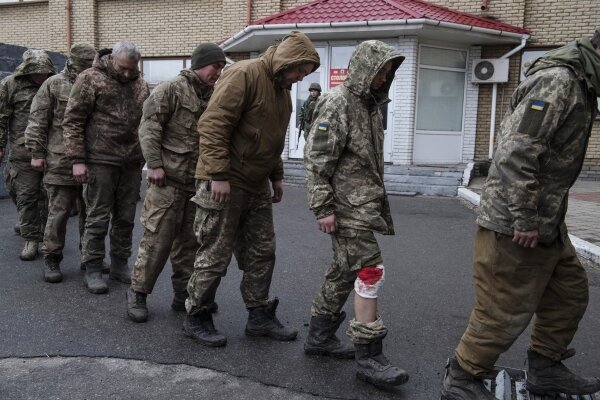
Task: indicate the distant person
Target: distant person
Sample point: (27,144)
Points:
(16,94)
(306,112)
(524,263)
(242,135)
(101,139)
(343,157)
(44,138)
(169,140)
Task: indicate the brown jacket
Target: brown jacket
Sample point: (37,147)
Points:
(242,131)
(102,116)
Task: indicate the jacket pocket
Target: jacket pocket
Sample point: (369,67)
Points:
(203,197)
(359,198)
(158,201)
(176,162)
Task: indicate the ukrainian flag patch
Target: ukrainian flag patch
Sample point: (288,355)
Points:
(538,105)
(324,126)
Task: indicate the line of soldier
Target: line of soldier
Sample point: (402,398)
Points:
(213,154)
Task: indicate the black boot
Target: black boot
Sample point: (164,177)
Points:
(322,340)
(51,271)
(105,267)
(200,327)
(137,310)
(178,303)
(548,377)
(460,385)
(119,271)
(263,322)
(374,368)
(93,279)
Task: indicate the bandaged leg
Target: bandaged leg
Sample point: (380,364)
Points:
(368,281)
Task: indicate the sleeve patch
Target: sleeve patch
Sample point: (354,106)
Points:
(538,105)
(324,126)
(533,118)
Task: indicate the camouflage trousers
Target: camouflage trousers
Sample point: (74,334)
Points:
(62,200)
(243,227)
(110,196)
(31,199)
(352,250)
(168,221)
(512,283)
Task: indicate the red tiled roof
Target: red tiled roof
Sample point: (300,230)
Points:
(323,11)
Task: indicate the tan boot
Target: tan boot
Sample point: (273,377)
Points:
(30,250)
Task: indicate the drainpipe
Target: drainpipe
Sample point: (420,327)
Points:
(248,12)
(68,12)
(495,95)
(485,4)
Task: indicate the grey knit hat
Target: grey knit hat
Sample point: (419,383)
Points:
(205,54)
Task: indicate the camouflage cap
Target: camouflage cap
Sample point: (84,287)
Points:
(314,86)
(82,51)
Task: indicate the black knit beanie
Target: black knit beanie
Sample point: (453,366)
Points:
(205,54)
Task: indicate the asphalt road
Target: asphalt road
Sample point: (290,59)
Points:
(425,304)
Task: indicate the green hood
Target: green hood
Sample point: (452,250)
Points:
(35,62)
(580,56)
(368,58)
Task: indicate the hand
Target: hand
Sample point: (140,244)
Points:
(327,224)
(80,172)
(220,191)
(277,191)
(157,176)
(526,239)
(38,164)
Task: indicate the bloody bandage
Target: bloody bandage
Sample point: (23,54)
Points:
(368,281)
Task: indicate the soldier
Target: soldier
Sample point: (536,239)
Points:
(242,134)
(44,138)
(169,140)
(16,94)
(306,112)
(524,262)
(101,139)
(343,158)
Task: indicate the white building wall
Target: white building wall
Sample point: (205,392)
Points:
(471,104)
(405,102)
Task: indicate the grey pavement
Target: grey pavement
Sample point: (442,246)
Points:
(60,342)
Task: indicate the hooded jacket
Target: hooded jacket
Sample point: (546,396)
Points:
(343,155)
(541,148)
(102,116)
(242,131)
(16,94)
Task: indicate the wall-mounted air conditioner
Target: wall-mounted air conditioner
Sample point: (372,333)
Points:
(492,70)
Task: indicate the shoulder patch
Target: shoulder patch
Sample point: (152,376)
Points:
(538,105)
(323,126)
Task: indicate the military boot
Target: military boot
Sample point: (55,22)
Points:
(375,368)
(51,271)
(461,385)
(105,267)
(93,279)
(322,340)
(201,328)
(136,305)
(30,250)
(119,271)
(548,377)
(263,322)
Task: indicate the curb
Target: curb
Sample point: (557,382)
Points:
(584,249)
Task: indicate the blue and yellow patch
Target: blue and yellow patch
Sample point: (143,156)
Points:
(538,105)
(323,126)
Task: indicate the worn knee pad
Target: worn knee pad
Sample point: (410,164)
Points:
(368,281)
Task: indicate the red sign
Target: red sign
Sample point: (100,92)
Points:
(337,76)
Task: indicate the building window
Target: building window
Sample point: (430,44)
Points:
(441,90)
(157,70)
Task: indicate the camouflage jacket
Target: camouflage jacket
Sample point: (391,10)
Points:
(306,113)
(44,133)
(16,94)
(242,131)
(541,147)
(343,155)
(168,131)
(102,116)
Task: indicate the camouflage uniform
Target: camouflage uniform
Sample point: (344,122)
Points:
(16,94)
(307,110)
(540,152)
(242,135)
(44,138)
(169,140)
(343,158)
(100,129)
